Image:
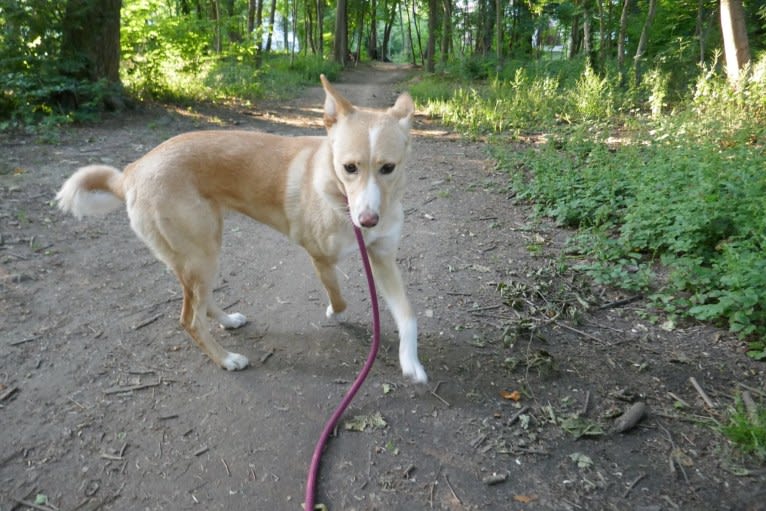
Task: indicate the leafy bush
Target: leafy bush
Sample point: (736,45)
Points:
(686,189)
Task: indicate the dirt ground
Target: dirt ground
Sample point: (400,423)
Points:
(105,404)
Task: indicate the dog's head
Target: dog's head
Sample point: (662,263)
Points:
(369,149)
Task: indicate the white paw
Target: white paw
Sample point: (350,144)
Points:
(231,321)
(235,362)
(340,317)
(413,370)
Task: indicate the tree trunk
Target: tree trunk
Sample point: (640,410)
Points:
(417,33)
(621,36)
(259,26)
(431,44)
(272,13)
(574,38)
(499,45)
(700,29)
(643,41)
(408,40)
(91,39)
(340,46)
(320,28)
(390,19)
(446,44)
(251,17)
(587,33)
(735,43)
(372,44)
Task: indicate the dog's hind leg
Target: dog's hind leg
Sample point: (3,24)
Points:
(325,269)
(227,321)
(189,241)
(196,282)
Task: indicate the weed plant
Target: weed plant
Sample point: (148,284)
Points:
(648,185)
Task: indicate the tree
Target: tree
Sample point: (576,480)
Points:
(90,42)
(643,41)
(340,46)
(431,44)
(734,32)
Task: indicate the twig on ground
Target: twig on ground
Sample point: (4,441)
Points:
(620,303)
(451,489)
(437,396)
(684,403)
(24,340)
(130,388)
(752,389)
(495,478)
(584,409)
(630,418)
(148,321)
(580,332)
(701,392)
(30,504)
(8,393)
(633,485)
(226,466)
(515,416)
(750,407)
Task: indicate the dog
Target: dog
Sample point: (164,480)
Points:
(310,188)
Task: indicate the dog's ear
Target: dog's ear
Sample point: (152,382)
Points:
(403,110)
(335,105)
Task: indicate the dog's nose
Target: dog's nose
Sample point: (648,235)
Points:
(368,219)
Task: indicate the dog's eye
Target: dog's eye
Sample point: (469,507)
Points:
(350,168)
(387,168)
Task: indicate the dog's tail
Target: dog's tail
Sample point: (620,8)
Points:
(91,191)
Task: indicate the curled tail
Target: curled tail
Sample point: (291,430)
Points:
(92,190)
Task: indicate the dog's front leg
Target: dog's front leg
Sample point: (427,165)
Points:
(389,281)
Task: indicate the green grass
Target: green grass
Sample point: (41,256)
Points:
(747,431)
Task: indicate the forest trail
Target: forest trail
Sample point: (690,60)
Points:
(106,405)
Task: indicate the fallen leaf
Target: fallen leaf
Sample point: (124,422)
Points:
(362,422)
(525,499)
(582,460)
(510,395)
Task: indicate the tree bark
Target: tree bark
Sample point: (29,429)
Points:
(735,43)
(499,45)
(340,45)
(320,28)
(431,44)
(272,13)
(372,44)
(621,36)
(91,38)
(643,41)
(446,43)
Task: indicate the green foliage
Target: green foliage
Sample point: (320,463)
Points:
(643,184)
(171,57)
(747,429)
(35,86)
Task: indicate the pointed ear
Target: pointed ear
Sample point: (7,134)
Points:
(403,109)
(335,105)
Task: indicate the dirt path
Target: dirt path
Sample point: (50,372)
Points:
(87,314)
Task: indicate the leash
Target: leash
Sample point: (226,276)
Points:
(333,420)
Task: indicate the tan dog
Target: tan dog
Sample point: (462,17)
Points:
(304,187)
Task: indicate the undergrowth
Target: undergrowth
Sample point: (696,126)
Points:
(649,186)
(747,429)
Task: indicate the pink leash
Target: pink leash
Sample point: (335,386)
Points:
(333,421)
